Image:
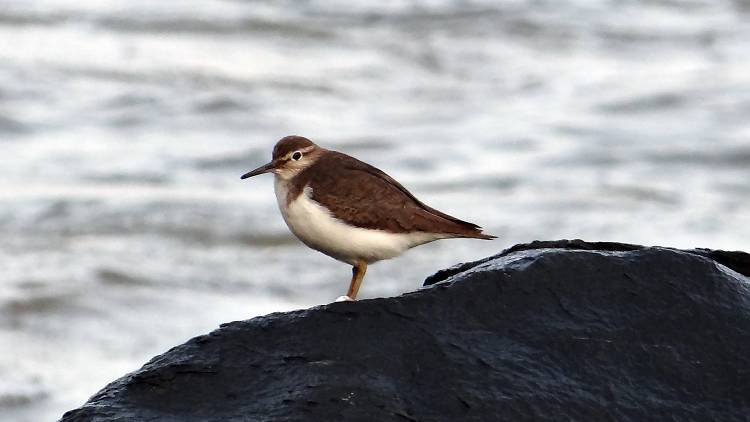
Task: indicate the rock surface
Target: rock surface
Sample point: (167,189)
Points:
(562,330)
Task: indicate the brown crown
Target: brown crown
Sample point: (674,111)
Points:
(291,143)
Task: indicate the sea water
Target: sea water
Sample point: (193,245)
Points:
(125,125)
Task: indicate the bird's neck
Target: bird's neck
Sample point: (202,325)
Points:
(281,189)
(287,190)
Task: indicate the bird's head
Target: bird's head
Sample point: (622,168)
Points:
(291,155)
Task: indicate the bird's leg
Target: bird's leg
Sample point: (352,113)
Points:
(358,273)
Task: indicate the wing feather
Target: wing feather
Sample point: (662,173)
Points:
(364,196)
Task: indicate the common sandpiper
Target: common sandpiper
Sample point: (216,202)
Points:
(350,210)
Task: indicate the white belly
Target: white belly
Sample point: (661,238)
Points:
(313,225)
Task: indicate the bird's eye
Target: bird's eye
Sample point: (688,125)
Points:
(296,156)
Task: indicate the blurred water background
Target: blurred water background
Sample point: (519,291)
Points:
(125,125)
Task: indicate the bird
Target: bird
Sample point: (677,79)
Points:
(351,210)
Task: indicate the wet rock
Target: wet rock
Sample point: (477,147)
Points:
(559,330)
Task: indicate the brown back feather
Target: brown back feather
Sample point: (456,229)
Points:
(364,196)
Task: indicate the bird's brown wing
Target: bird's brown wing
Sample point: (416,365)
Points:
(364,196)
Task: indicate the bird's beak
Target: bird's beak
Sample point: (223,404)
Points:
(265,168)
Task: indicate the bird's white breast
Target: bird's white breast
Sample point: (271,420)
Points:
(314,225)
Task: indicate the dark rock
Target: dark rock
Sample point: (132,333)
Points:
(563,330)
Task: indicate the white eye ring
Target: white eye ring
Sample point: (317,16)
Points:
(296,156)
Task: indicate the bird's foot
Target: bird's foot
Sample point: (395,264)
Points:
(344,299)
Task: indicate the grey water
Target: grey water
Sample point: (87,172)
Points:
(125,125)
